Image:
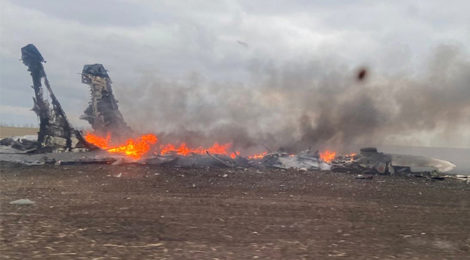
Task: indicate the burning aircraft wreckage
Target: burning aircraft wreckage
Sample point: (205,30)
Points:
(58,142)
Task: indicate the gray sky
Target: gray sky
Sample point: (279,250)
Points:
(229,43)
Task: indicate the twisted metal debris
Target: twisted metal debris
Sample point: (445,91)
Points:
(55,131)
(102,112)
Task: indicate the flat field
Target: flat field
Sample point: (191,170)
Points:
(145,212)
(7,131)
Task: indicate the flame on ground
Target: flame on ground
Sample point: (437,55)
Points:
(183,149)
(257,156)
(327,156)
(138,147)
(98,141)
(133,147)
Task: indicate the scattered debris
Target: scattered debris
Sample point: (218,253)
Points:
(226,163)
(420,163)
(119,161)
(364,165)
(90,157)
(370,161)
(460,177)
(364,177)
(22,202)
(303,160)
(18,144)
(56,134)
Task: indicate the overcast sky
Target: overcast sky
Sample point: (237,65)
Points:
(219,41)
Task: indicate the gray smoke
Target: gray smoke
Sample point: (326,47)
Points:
(298,105)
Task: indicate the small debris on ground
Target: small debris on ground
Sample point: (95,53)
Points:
(22,202)
(364,177)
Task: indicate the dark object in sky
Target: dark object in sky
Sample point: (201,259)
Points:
(362,74)
(55,131)
(102,112)
(242,43)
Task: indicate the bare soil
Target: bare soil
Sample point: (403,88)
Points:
(144,212)
(7,131)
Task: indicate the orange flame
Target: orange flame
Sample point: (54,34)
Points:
(138,147)
(327,156)
(234,154)
(98,140)
(134,148)
(257,156)
(183,149)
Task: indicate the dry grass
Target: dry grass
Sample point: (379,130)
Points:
(7,131)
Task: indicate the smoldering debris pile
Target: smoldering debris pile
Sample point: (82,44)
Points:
(18,144)
(368,161)
(305,160)
(302,161)
(371,161)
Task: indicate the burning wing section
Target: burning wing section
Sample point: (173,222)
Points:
(417,163)
(369,160)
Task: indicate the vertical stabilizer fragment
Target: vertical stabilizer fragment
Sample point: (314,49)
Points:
(102,113)
(55,131)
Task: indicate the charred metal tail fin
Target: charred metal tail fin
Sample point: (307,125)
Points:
(55,131)
(102,113)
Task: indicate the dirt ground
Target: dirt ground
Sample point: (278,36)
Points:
(7,131)
(144,212)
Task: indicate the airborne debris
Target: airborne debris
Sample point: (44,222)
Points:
(361,74)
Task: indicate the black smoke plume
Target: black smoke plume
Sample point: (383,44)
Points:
(298,105)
